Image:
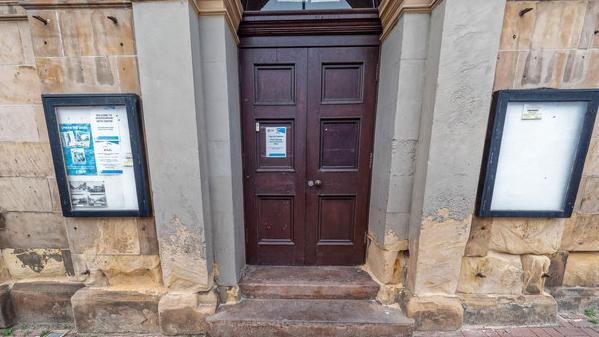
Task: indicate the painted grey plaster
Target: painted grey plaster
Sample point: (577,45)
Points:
(460,68)
(428,104)
(167,39)
(219,59)
(402,63)
(457,99)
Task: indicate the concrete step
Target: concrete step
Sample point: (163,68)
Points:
(307,283)
(308,318)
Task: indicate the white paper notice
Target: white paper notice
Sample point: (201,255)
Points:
(531,112)
(276,142)
(107,141)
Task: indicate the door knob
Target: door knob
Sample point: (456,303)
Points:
(310,183)
(318,182)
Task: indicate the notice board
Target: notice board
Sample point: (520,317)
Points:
(535,151)
(98,153)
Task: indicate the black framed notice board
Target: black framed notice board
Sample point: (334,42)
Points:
(536,145)
(98,152)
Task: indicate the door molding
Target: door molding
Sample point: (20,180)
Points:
(314,22)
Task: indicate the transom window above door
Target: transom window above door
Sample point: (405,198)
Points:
(294,5)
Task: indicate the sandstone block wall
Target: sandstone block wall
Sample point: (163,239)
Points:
(77,50)
(33,235)
(544,44)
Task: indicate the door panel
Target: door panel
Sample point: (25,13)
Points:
(308,205)
(341,102)
(273,95)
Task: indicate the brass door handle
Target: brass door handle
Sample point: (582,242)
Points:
(317,182)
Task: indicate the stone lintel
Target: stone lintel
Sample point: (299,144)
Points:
(391,10)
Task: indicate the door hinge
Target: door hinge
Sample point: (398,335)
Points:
(365,238)
(257,126)
(378,70)
(370,161)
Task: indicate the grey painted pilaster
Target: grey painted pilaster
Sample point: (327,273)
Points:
(460,68)
(221,92)
(167,38)
(403,56)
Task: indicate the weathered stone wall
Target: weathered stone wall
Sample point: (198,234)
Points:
(79,50)
(543,44)
(71,47)
(33,235)
(106,273)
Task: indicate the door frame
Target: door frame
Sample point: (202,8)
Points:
(314,28)
(304,29)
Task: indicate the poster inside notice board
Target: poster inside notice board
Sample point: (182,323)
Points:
(98,154)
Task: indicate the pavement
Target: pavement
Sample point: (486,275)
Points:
(569,325)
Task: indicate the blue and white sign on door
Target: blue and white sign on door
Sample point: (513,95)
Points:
(276,142)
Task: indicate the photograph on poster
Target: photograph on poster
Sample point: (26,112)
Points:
(88,194)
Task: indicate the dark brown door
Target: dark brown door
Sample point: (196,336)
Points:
(308,117)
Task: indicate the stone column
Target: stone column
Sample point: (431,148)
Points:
(167,42)
(403,56)
(463,43)
(219,61)
(167,36)
(189,94)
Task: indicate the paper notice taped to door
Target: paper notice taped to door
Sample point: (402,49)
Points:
(276,142)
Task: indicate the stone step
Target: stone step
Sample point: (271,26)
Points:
(308,318)
(307,283)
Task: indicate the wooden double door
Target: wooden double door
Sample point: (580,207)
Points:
(308,123)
